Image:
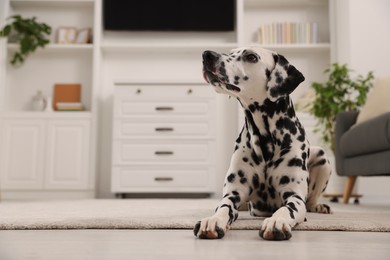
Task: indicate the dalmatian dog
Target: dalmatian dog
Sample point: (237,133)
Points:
(273,168)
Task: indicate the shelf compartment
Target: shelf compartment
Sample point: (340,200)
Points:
(47,115)
(54,47)
(34,3)
(296,47)
(284,3)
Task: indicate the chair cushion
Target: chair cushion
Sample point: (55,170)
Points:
(369,137)
(377,101)
(374,164)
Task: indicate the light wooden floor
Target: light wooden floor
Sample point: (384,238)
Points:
(181,244)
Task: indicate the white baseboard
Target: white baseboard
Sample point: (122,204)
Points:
(46,195)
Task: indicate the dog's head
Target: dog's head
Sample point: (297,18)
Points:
(251,73)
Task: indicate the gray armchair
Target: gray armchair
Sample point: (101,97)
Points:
(362,150)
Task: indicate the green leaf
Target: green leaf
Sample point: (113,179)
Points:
(340,92)
(6,31)
(31,35)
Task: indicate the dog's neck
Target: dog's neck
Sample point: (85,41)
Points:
(262,121)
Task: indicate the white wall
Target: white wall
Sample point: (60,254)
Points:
(363,36)
(363,40)
(3,12)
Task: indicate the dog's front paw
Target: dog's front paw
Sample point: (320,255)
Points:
(210,228)
(321,208)
(275,229)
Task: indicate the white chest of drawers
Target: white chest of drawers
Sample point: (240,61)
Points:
(163,139)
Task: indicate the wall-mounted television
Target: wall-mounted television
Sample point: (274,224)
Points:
(169,15)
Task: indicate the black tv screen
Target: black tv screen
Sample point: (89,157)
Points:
(169,15)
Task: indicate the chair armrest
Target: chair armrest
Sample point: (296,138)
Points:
(344,121)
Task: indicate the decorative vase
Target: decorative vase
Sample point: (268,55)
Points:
(38,102)
(49,105)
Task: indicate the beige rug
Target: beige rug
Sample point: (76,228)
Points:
(169,214)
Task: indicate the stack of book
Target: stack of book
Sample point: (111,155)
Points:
(69,106)
(288,33)
(67,97)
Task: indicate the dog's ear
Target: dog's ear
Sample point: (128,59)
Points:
(283,79)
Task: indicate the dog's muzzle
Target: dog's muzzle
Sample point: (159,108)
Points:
(210,60)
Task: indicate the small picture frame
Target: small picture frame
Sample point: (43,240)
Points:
(84,35)
(66,35)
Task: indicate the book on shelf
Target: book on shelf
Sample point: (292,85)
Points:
(66,93)
(69,106)
(288,33)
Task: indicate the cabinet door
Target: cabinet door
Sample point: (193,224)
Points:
(21,152)
(67,162)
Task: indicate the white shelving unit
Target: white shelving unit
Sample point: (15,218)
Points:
(58,157)
(158,58)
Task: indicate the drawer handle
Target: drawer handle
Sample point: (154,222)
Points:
(163,179)
(164,129)
(164,108)
(163,153)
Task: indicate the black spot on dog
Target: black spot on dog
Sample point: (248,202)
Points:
(279,79)
(320,153)
(270,181)
(295,162)
(302,136)
(286,143)
(255,181)
(234,200)
(231,216)
(286,123)
(291,112)
(278,161)
(284,180)
(291,212)
(292,206)
(262,187)
(272,192)
(288,194)
(255,158)
(319,163)
(245,78)
(231,177)
(244,159)
(268,73)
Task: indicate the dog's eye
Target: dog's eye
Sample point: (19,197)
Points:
(252,58)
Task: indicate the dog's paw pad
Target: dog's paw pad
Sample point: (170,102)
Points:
(322,208)
(275,230)
(217,234)
(208,229)
(196,228)
(275,234)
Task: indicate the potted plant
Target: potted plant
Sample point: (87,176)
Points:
(339,93)
(29,33)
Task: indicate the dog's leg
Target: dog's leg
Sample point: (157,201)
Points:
(293,211)
(236,191)
(319,174)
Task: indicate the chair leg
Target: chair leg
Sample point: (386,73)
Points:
(348,188)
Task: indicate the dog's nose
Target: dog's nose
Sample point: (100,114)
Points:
(209,59)
(210,56)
